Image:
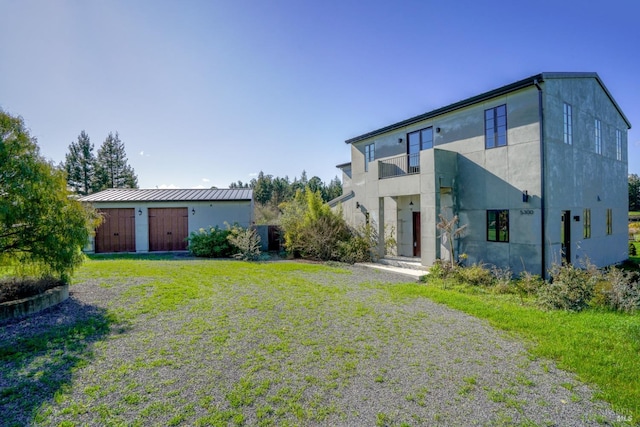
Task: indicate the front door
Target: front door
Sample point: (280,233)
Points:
(416,234)
(565,237)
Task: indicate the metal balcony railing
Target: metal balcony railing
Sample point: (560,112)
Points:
(406,164)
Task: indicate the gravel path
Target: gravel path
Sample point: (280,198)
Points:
(401,362)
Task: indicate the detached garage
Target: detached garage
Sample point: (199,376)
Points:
(161,220)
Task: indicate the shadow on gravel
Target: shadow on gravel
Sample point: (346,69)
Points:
(38,355)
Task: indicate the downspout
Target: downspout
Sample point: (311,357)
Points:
(543,272)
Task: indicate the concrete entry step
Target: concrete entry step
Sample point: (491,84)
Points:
(403,262)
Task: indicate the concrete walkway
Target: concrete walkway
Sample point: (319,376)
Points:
(416,274)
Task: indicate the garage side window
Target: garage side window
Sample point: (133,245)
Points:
(498,225)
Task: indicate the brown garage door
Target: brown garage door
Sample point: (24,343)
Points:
(117,231)
(168,229)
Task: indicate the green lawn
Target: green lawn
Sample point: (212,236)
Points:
(185,342)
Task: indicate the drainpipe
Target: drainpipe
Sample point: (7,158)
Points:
(543,273)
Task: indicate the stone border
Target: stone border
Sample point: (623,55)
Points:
(26,306)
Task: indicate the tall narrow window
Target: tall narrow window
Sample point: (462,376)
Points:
(609,221)
(568,124)
(498,225)
(586,223)
(598,136)
(495,127)
(369,155)
(618,144)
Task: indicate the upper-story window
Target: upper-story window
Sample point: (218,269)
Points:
(495,127)
(420,140)
(618,144)
(598,136)
(568,123)
(369,155)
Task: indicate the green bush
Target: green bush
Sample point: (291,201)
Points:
(528,285)
(632,249)
(475,275)
(246,241)
(619,290)
(212,243)
(571,288)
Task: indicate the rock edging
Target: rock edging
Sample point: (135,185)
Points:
(26,306)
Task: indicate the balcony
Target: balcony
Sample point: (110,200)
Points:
(405,164)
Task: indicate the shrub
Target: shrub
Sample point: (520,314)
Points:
(528,285)
(571,287)
(632,249)
(212,243)
(246,241)
(311,229)
(475,275)
(442,269)
(621,291)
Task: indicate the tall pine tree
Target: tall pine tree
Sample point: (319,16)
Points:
(112,170)
(80,165)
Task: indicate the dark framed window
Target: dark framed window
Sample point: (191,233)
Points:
(369,155)
(568,123)
(498,225)
(420,140)
(598,136)
(495,127)
(618,144)
(609,221)
(586,223)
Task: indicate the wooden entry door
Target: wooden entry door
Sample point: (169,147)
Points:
(416,233)
(168,229)
(117,233)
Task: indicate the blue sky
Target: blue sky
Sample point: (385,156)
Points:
(210,92)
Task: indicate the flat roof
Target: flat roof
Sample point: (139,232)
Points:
(520,84)
(169,195)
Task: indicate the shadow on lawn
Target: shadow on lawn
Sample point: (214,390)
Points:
(38,355)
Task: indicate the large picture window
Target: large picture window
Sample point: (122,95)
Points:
(498,225)
(495,127)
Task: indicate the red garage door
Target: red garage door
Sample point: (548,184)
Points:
(168,229)
(117,231)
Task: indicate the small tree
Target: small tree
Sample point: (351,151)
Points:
(449,230)
(112,169)
(39,222)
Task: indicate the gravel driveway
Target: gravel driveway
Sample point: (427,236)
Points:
(399,362)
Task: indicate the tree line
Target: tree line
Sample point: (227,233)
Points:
(272,191)
(88,173)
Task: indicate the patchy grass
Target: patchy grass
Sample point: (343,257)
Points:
(602,347)
(211,342)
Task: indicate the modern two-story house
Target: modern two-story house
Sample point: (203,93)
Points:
(536,170)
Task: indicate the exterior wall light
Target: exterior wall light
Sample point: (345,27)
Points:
(438,130)
(139,212)
(400,140)
(525,196)
(357,205)
(193,211)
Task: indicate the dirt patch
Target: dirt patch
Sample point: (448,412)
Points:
(15,289)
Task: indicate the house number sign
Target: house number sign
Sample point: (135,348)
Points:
(526,211)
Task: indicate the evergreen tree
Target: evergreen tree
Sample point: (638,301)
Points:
(634,193)
(262,188)
(112,170)
(80,165)
(334,189)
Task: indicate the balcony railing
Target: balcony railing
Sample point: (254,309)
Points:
(406,164)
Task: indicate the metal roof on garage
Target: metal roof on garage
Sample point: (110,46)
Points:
(169,195)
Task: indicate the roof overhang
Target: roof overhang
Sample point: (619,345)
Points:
(520,84)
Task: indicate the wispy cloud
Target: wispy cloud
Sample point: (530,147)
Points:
(205,180)
(144,155)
